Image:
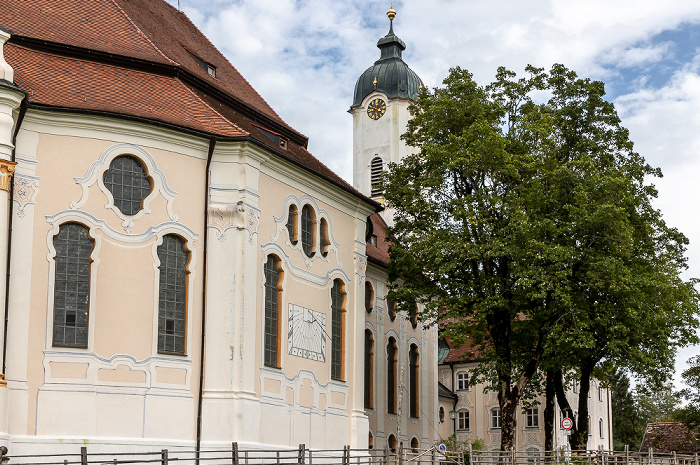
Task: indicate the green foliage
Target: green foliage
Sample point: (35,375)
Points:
(528,229)
(690,412)
(627,424)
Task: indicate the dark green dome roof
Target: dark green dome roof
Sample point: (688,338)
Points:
(393,77)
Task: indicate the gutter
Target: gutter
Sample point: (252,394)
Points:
(20,117)
(200,395)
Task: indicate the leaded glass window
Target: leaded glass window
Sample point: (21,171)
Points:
(272,317)
(325,242)
(369,297)
(71,299)
(391,375)
(337,329)
(129,184)
(369,368)
(172,295)
(308,238)
(413,380)
(292,224)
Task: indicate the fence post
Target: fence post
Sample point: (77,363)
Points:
(302,447)
(627,454)
(651,455)
(83,455)
(432,456)
(386,455)
(399,458)
(245,457)
(695,458)
(234,453)
(346,455)
(674,458)
(164,457)
(311,457)
(471,457)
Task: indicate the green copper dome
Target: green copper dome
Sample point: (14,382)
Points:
(389,75)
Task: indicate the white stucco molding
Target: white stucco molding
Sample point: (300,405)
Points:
(96,172)
(300,273)
(6,71)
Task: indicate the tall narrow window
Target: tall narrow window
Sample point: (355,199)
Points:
(495,418)
(376,176)
(414,445)
(600,428)
(532,418)
(462,381)
(128,182)
(325,241)
(391,375)
(392,443)
(413,381)
(292,224)
(172,295)
(272,317)
(71,298)
(308,235)
(463,420)
(369,297)
(337,329)
(369,369)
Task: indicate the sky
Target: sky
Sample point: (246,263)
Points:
(304,57)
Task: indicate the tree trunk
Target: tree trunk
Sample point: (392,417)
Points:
(549,426)
(509,404)
(579,440)
(563,403)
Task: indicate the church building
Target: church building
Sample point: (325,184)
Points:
(179,271)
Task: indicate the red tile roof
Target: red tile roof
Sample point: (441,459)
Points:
(380,252)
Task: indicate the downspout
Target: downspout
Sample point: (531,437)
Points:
(454,402)
(212,144)
(20,118)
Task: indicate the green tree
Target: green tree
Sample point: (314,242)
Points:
(690,412)
(528,228)
(627,425)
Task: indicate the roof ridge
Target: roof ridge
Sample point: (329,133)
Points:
(229,62)
(144,35)
(212,108)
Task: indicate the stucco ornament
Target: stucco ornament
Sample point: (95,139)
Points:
(221,220)
(360,265)
(25,190)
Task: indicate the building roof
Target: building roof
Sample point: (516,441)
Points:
(390,74)
(461,354)
(444,391)
(142,60)
(379,253)
(669,437)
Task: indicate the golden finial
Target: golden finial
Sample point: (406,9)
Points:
(420,86)
(391,13)
(375,81)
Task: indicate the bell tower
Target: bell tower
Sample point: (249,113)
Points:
(380,114)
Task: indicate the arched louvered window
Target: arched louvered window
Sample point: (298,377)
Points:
(292,224)
(172,295)
(337,329)
(308,232)
(369,297)
(128,182)
(369,369)
(377,166)
(325,241)
(273,298)
(71,298)
(391,352)
(413,381)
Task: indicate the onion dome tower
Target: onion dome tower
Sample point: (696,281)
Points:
(380,113)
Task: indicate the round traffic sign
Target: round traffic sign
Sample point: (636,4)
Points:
(567,423)
(442,448)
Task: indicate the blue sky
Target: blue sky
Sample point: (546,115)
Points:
(304,56)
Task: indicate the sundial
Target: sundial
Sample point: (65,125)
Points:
(307,333)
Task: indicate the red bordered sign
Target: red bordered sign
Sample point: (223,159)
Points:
(567,423)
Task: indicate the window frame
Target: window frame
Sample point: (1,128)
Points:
(495,418)
(463,420)
(272,268)
(324,237)
(369,297)
(110,186)
(308,230)
(292,224)
(338,303)
(164,279)
(532,418)
(369,370)
(391,378)
(414,381)
(462,381)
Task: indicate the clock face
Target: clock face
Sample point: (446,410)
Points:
(376,108)
(307,333)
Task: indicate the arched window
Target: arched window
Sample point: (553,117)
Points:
(128,182)
(308,232)
(441,414)
(600,393)
(413,381)
(370,442)
(392,443)
(273,298)
(600,428)
(292,225)
(377,166)
(71,298)
(413,315)
(369,369)
(369,297)
(463,420)
(325,241)
(391,308)
(415,445)
(172,295)
(337,329)
(391,375)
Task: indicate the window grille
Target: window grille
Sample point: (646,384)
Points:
(129,184)
(413,380)
(292,224)
(377,166)
(391,375)
(308,238)
(172,295)
(369,368)
(272,294)
(337,329)
(72,285)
